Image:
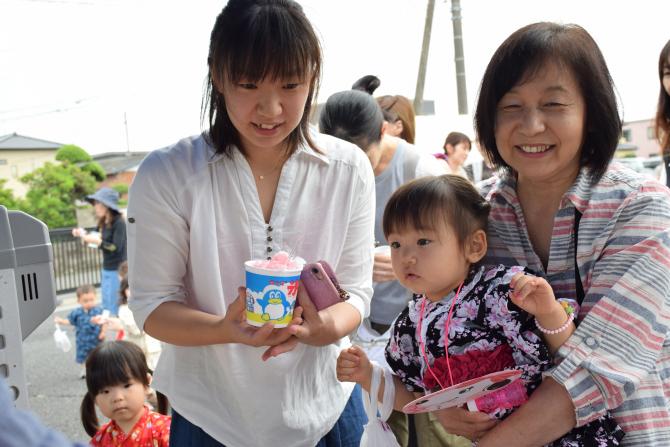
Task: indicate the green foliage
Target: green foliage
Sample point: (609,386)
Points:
(121,188)
(95,170)
(53,189)
(7,198)
(72,154)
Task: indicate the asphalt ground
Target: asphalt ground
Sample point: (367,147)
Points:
(55,390)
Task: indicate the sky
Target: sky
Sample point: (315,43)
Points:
(116,75)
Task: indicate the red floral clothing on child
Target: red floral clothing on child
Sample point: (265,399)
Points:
(152,430)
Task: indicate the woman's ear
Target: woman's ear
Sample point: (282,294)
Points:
(476,247)
(385,127)
(448,149)
(398,126)
(395,128)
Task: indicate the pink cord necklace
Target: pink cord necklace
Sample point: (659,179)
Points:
(422,345)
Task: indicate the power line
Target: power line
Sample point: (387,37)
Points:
(72,106)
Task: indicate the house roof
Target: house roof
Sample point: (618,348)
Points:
(14,141)
(116,162)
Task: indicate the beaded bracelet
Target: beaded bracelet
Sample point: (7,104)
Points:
(571,317)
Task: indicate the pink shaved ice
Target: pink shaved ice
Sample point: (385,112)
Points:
(279,261)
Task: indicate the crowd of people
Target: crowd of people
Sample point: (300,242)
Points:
(557,266)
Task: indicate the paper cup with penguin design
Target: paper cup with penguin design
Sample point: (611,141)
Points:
(272,289)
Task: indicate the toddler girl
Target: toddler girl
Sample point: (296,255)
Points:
(118,380)
(436,228)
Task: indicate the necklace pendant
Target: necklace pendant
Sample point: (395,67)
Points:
(261,177)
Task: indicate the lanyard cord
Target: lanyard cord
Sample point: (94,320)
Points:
(422,345)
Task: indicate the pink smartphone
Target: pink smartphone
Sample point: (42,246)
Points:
(319,280)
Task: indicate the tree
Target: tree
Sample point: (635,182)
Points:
(94,168)
(74,154)
(7,197)
(52,191)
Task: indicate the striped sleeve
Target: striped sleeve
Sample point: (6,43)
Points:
(619,342)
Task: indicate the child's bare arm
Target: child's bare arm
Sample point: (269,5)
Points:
(535,296)
(109,322)
(353,365)
(62,321)
(103,332)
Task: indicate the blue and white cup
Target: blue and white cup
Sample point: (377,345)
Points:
(271,294)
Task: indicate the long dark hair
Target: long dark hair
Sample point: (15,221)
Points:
(112,363)
(258,39)
(663,110)
(108,219)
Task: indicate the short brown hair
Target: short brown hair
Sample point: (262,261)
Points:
(527,51)
(454,138)
(428,202)
(84,289)
(123,269)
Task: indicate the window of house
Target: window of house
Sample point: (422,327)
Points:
(627,135)
(3,161)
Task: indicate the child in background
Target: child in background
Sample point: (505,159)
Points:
(88,334)
(436,228)
(118,381)
(127,326)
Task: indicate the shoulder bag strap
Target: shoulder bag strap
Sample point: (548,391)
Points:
(578,279)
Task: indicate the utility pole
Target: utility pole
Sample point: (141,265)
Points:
(423,61)
(125,124)
(459,58)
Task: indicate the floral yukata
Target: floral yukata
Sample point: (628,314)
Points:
(487,333)
(152,430)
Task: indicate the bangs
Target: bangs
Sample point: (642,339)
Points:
(419,208)
(539,47)
(272,44)
(524,68)
(114,363)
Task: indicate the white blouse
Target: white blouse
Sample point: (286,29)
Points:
(194,218)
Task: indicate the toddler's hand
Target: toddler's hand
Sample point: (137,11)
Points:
(59,320)
(353,365)
(533,294)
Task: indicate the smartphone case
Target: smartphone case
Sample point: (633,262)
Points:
(319,280)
